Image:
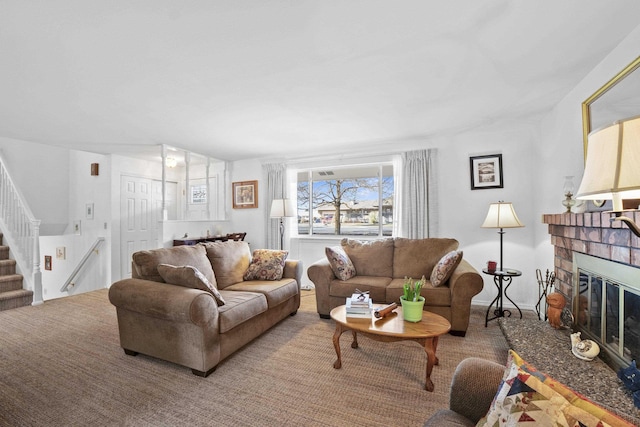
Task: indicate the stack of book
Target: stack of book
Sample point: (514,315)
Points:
(359,305)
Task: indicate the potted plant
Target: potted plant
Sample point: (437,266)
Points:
(412,302)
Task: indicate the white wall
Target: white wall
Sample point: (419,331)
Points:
(250,221)
(40,172)
(560,147)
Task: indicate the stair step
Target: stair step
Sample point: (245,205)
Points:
(11,282)
(7,267)
(15,299)
(4,252)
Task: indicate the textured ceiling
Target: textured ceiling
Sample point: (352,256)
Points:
(281,78)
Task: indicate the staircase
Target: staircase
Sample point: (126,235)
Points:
(11,293)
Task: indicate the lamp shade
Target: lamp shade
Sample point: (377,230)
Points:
(282,208)
(611,170)
(501,215)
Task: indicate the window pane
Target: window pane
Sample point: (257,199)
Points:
(346,201)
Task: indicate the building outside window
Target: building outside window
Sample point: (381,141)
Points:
(346,201)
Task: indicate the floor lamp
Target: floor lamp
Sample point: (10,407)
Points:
(281,209)
(501,215)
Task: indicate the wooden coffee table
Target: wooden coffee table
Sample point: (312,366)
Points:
(393,328)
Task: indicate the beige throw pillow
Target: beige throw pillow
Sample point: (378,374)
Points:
(445,267)
(189,277)
(229,260)
(266,264)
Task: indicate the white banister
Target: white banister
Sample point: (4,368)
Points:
(21,231)
(81,264)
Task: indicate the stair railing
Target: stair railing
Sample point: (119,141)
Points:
(69,283)
(21,231)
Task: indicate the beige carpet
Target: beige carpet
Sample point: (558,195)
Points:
(61,364)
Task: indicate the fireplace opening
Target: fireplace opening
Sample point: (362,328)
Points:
(606,307)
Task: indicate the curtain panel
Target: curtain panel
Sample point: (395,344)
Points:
(275,177)
(418,208)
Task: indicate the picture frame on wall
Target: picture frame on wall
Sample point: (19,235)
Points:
(486,172)
(245,194)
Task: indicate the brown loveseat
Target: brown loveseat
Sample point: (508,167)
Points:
(188,326)
(381,266)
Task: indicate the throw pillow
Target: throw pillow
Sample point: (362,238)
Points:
(340,263)
(189,277)
(529,397)
(445,267)
(229,260)
(266,264)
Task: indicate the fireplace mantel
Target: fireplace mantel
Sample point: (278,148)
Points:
(590,233)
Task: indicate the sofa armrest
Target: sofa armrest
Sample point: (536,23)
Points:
(465,283)
(321,274)
(293,270)
(473,386)
(164,301)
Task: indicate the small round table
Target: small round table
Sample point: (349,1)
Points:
(502,279)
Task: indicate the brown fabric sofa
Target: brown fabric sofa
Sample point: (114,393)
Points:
(381,266)
(187,326)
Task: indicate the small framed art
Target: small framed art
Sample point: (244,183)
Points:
(486,171)
(245,194)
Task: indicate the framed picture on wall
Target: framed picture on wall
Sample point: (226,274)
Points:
(245,194)
(486,172)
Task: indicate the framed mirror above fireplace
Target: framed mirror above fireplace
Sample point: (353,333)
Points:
(617,99)
(606,307)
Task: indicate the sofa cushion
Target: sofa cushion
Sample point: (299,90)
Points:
(529,397)
(240,307)
(266,264)
(229,260)
(145,263)
(340,262)
(445,268)
(276,291)
(189,277)
(370,258)
(377,287)
(417,257)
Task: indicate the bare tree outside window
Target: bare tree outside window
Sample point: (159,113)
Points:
(349,201)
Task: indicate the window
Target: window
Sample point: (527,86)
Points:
(346,201)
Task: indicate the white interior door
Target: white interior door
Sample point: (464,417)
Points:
(136,229)
(140,214)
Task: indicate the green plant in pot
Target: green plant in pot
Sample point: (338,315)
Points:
(412,302)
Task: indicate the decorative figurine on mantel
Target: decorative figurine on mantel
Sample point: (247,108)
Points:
(584,349)
(555,304)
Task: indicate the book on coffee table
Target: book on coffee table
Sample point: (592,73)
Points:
(359,309)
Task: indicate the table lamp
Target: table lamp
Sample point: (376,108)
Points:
(501,215)
(611,171)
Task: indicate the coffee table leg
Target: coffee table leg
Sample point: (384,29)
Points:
(336,344)
(354,343)
(430,349)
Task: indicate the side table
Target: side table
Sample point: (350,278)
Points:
(502,279)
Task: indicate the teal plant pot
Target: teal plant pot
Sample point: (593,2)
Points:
(412,310)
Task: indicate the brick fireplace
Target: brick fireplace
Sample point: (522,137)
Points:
(590,233)
(607,257)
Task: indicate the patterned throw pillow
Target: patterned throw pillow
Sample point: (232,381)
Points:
(266,264)
(340,263)
(530,398)
(189,277)
(445,267)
